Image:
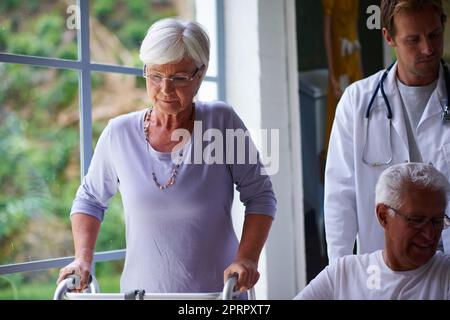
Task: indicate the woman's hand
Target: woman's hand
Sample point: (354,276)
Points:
(79,268)
(247,271)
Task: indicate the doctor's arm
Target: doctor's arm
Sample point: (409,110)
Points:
(341,224)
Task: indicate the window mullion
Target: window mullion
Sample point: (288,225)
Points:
(85,88)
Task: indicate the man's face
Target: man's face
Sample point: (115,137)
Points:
(408,247)
(418,43)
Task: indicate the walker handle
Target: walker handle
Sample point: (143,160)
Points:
(228,289)
(71,282)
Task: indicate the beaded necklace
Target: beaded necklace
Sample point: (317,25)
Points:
(171,181)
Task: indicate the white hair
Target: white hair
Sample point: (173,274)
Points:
(170,40)
(393,181)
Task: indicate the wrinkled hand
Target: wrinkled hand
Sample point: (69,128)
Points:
(247,271)
(79,268)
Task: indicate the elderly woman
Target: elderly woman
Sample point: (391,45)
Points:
(179,231)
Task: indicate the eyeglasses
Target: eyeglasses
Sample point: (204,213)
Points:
(420,221)
(177,80)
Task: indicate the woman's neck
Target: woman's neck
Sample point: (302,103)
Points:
(169,122)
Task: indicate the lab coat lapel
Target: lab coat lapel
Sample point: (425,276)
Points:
(392,93)
(437,100)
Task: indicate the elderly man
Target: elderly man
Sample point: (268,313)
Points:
(410,206)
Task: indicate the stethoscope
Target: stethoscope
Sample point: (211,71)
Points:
(445,114)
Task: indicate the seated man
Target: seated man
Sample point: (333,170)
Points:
(411,199)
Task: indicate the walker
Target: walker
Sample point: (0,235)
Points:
(92,292)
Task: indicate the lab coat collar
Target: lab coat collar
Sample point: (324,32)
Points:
(392,93)
(435,105)
(438,98)
(390,86)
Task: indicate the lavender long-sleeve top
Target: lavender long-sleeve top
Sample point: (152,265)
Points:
(180,239)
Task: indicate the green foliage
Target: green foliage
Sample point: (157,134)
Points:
(108,275)
(32,291)
(13,79)
(138,8)
(61,95)
(132,33)
(13,287)
(39,36)
(32,5)
(137,63)
(160,15)
(7,5)
(102,9)
(27,44)
(131,24)
(96,80)
(4,35)
(50,27)
(68,51)
(9,287)
(18,177)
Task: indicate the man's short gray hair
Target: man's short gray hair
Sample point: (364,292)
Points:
(393,181)
(170,40)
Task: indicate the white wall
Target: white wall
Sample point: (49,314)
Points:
(261,84)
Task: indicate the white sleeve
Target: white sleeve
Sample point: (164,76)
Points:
(339,195)
(321,287)
(100,183)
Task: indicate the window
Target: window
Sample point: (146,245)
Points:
(61,64)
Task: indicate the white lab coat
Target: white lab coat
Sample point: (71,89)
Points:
(349,206)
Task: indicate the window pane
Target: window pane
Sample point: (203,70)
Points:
(114,94)
(39,28)
(118,27)
(205,13)
(39,161)
(41,285)
(37,285)
(208,91)
(108,275)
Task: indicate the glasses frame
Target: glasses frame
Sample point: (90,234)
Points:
(409,220)
(172,79)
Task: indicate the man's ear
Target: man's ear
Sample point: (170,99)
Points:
(382,212)
(389,39)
